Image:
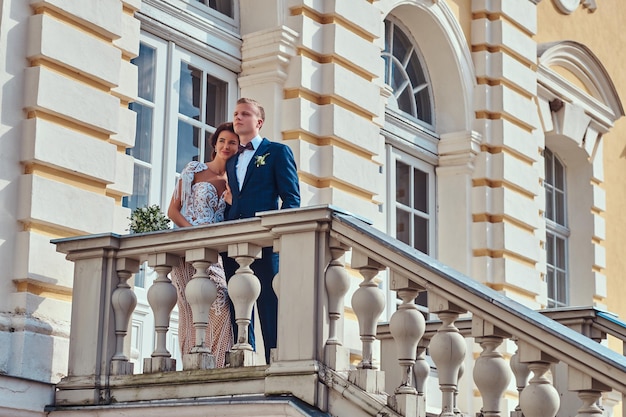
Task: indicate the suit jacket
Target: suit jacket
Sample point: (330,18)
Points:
(271,174)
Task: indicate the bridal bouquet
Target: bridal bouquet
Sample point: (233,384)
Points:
(148,219)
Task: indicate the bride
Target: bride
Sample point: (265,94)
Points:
(200,197)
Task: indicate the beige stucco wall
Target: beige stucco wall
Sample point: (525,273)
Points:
(602,32)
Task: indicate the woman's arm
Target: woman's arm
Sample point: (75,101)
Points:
(173,211)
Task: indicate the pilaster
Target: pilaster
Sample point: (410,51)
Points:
(505,184)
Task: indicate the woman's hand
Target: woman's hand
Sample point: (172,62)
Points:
(228,196)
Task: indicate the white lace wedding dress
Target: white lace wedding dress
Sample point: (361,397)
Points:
(202,205)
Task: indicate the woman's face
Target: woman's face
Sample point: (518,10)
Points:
(227,145)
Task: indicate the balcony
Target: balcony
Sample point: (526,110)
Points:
(311,372)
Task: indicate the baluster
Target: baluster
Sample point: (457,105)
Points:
(368,303)
(491,375)
(539,398)
(447,349)
(407,326)
(200,292)
(243,289)
(162,299)
(421,369)
(455,408)
(123,301)
(521,373)
(491,372)
(589,391)
(337,284)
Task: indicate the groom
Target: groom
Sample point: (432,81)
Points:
(263,172)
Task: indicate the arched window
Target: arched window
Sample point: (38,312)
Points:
(411,146)
(405,75)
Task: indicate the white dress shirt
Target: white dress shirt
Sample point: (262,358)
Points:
(243,159)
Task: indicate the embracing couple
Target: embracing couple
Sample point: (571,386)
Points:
(247,174)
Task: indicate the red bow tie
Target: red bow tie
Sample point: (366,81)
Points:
(246,146)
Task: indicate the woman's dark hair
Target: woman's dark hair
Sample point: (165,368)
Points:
(224,126)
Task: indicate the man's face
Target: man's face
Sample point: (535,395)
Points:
(246,121)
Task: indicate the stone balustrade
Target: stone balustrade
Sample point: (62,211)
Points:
(310,361)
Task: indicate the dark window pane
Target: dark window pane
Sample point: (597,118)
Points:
(549,168)
(549,203)
(143,134)
(550,249)
(208,149)
(216,93)
(403,228)
(190,92)
(420,190)
(145,63)
(559,253)
(550,282)
(420,234)
(403,182)
(186,145)
(141,188)
(559,175)
(222,6)
(561,288)
(559,207)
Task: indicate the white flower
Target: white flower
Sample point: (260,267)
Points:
(260,160)
(148,219)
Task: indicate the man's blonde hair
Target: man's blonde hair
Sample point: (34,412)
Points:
(260,110)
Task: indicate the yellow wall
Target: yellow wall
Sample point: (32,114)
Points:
(602,32)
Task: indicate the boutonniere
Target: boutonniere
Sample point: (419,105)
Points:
(260,160)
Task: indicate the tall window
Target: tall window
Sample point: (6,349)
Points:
(405,75)
(557,231)
(411,147)
(182,98)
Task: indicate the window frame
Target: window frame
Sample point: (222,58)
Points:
(165,116)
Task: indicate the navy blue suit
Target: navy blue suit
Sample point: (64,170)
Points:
(271,174)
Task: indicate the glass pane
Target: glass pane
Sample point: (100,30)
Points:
(405,99)
(559,175)
(549,168)
(402,226)
(143,134)
(559,207)
(422,101)
(561,288)
(208,149)
(550,249)
(216,93)
(559,253)
(141,187)
(401,45)
(145,63)
(190,92)
(420,191)
(403,181)
(550,283)
(420,234)
(186,145)
(222,6)
(549,204)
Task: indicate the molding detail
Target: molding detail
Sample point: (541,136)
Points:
(266,55)
(602,101)
(569,6)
